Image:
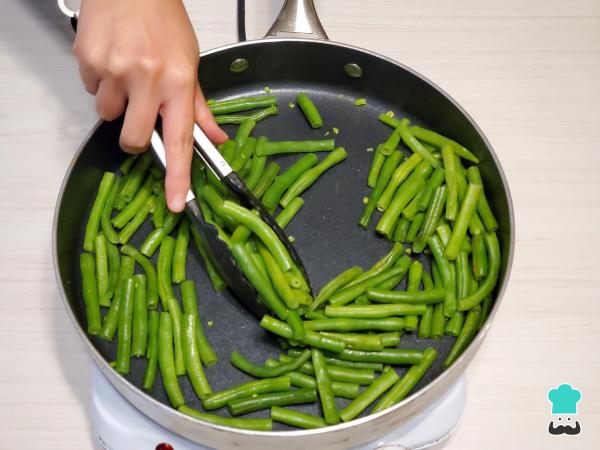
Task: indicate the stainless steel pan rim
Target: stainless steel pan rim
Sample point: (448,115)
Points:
(133,393)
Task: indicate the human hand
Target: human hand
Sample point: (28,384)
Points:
(141,59)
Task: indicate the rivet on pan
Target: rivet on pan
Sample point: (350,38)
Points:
(239,65)
(353,70)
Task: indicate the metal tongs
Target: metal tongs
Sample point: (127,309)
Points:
(215,246)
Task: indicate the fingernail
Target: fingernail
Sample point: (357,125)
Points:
(178,202)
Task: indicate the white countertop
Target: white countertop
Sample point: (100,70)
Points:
(527,71)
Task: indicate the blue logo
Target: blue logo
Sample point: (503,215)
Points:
(564,400)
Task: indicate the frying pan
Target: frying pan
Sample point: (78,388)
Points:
(326,233)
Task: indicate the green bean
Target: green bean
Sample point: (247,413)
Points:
(258,165)
(393,140)
(434,182)
(126,165)
(150,271)
(444,231)
(166,360)
(310,110)
(90,293)
(412,143)
(285,180)
(440,141)
(246,390)
(308,178)
(111,320)
(463,277)
(257,116)
(324,387)
(295,418)
(265,401)
(295,323)
(483,208)
(153,240)
(348,294)
(487,286)
(438,321)
(191,354)
(151,350)
(107,228)
(275,148)
(486,307)
(412,209)
(175,312)
(180,252)
(310,338)
(393,257)
(414,227)
(190,306)
(238,361)
(376,367)
(401,229)
(375,311)
(101,270)
(424,331)
(401,173)
(480,262)
(476,225)
(388,169)
(394,356)
(409,189)
(461,179)
(432,218)
(244,424)
(367,342)
(244,155)
(262,231)
(455,323)
(407,382)
(462,221)
(124,330)
(121,219)
(337,373)
(335,285)
(451,182)
(218,283)
(340,389)
(160,207)
(241,423)
(376,165)
(450,286)
(139,218)
(139,335)
(288,213)
(467,333)
(135,178)
(93,223)
(266,179)
(242,134)
(163,266)
(260,283)
(369,395)
(278,280)
(425,297)
(242,104)
(114,262)
(341,325)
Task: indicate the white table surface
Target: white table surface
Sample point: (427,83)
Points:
(529,73)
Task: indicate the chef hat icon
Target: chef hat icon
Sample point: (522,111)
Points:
(564,399)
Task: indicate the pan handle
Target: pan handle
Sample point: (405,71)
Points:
(298,18)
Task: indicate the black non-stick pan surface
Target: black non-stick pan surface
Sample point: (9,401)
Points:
(325,230)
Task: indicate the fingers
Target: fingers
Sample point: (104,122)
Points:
(205,119)
(140,119)
(177,124)
(90,79)
(110,99)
